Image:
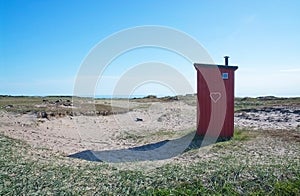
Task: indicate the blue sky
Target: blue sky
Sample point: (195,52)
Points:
(43,43)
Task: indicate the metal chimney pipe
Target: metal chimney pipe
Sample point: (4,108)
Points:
(226,60)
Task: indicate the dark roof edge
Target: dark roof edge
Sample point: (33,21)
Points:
(214,65)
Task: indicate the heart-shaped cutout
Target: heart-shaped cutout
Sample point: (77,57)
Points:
(215,96)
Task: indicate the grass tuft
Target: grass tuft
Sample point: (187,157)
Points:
(242,135)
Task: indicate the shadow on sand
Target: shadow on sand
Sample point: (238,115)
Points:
(155,151)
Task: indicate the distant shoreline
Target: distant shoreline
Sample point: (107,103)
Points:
(146,96)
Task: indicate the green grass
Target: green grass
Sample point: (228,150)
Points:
(291,187)
(248,103)
(239,135)
(26,171)
(24,104)
(22,171)
(242,135)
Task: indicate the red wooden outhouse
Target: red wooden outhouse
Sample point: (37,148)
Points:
(215,95)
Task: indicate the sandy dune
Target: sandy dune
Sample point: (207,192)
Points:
(161,120)
(72,134)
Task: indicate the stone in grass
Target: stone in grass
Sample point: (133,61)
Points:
(138,119)
(42,114)
(9,106)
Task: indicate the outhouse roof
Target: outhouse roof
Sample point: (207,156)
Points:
(214,66)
